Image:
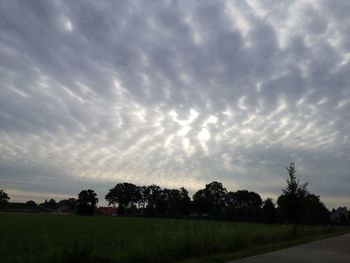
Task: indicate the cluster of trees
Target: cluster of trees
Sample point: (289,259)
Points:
(295,205)
(149,200)
(216,201)
(46,206)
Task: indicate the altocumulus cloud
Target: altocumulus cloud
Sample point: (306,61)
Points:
(176,93)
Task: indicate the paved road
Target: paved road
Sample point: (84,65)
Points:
(331,250)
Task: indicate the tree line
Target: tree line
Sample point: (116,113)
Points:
(295,204)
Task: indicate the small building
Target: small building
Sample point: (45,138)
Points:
(106,211)
(340,216)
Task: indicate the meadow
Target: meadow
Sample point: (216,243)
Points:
(58,238)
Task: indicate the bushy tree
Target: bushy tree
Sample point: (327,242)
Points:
(315,212)
(201,203)
(123,194)
(149,200)
(269,211)
(216,193)
(4,199)
(87,201)
(51,204)
(184,202)
(71,203)
(211,199)
(31,204)
(243,199)
(243,204)
(175,202)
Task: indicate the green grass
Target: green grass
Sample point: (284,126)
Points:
(259,249)
(53,238)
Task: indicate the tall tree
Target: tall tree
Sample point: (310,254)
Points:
(293,186)
(153,195)
(298,205)
(185,202)
(87,201)
(4,198)
(290,203)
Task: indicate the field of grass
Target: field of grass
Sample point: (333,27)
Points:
(54,238)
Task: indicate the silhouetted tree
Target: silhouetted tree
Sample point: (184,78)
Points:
(297,205)
(315,212)
(87,201)
(244,199)
(184,202)
(230,205)
(71,203)
(201,203)
(166,204)
(4,199)
(254,200)
(230,199)
(269,211)
(211,199)
(123,194)
(31,204)
(142,199)
(153,195)
(243,204)
(175,202)
(293,187)
(161,203)
(51,204)
(216,193)
(149,200)
(290,203)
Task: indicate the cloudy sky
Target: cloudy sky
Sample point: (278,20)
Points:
(174,93)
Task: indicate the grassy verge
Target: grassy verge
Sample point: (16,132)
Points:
(260,249)
(53,238)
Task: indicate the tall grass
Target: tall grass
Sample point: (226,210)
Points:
(46,238)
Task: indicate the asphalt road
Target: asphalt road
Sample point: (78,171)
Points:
(330,250)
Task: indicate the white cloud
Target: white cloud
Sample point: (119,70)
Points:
(176,95)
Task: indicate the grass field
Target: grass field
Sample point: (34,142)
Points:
(54,238)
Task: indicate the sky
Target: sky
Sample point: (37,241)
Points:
(174,93)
